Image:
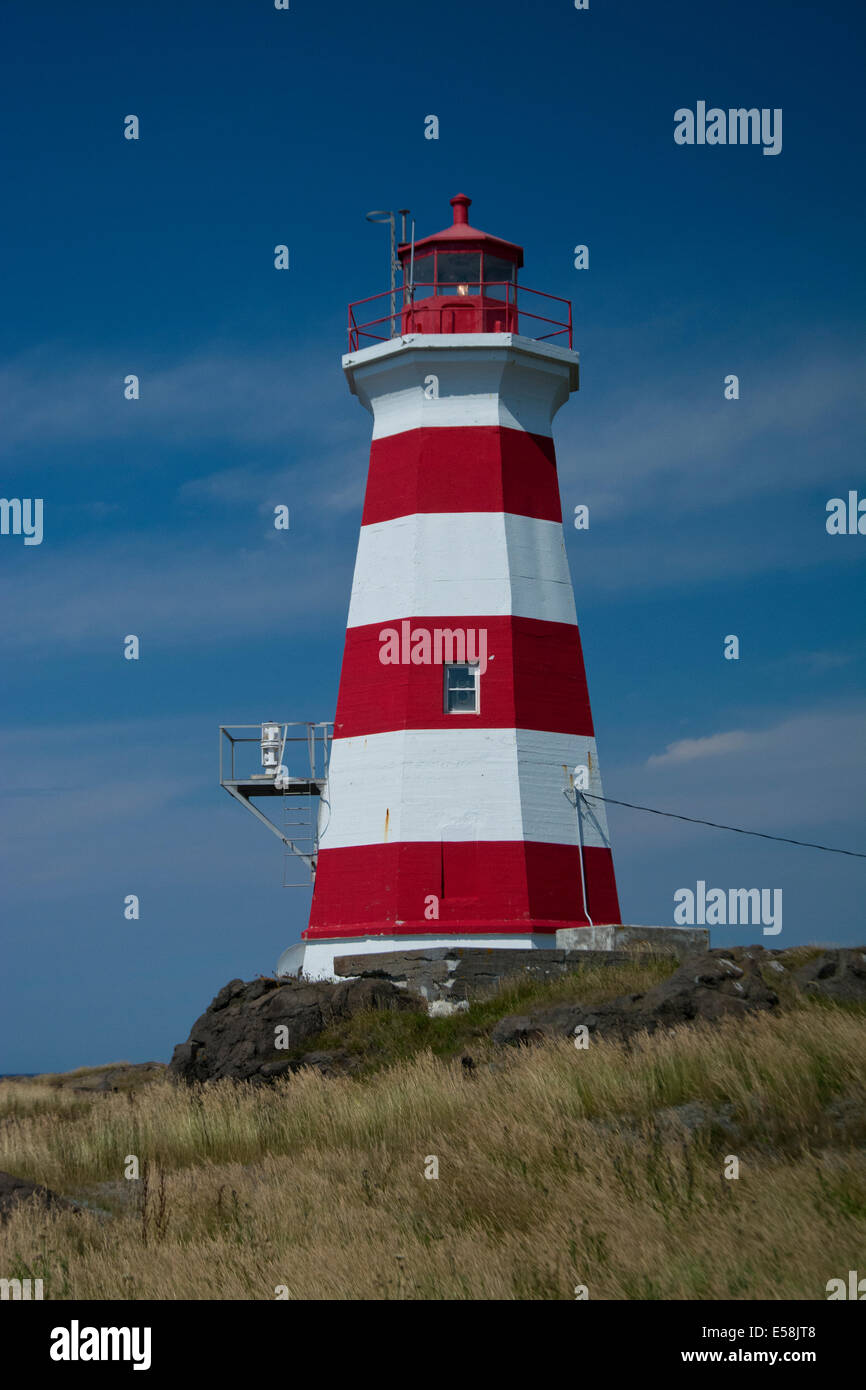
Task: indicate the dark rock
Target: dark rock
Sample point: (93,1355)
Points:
(837,974)
(271,1070)
(227,993)
(183,1057)
(705,986)
(123,1078)
(14,1190)
(693,1116)
(337,1063)
(521,1029)
(236,1036)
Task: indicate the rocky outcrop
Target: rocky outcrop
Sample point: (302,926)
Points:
(238,1035)
(711,985)
(836,974)
(708,986)
(14,1190)
(125,1076)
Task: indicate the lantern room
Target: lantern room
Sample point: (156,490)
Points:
(460,280)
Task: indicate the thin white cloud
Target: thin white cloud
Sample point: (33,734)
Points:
(687,750)
(329,481)
(168,593)
(628,559)
(818,661)
(674,453)
(793,776)
(51,395)
(299,438)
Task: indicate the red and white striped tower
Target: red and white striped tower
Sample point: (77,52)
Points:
(463,708)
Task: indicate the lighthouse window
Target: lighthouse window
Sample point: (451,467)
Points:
(424,275)
(460,268)
(496,269)
(461,688)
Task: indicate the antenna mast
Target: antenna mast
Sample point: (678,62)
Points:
(387,216)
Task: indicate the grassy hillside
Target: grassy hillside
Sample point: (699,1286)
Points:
(557,1167)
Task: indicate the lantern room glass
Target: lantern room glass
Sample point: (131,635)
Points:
(461,273)
(459,268)
(494,270)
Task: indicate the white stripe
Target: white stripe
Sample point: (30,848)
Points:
(459,784)
(398,411)
(458,564)
(481,379)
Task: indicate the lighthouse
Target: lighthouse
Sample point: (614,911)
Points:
(463,737)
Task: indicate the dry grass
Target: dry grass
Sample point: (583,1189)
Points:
(555,1169)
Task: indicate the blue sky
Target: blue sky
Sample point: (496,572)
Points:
(261,127)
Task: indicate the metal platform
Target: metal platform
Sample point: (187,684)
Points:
(302,771)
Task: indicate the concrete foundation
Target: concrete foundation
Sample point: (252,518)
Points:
(463,974)
(458,973)
(504,955)
(678,940)
(315,959)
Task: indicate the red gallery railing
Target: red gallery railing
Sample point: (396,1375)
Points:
(460,312)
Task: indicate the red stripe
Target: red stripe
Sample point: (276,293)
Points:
(482,468)
(480,886)
(535,679)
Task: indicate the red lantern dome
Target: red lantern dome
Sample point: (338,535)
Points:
(461,280)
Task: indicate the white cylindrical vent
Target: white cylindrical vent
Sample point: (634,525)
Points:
(272,739)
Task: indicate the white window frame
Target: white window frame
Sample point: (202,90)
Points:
(451,666)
